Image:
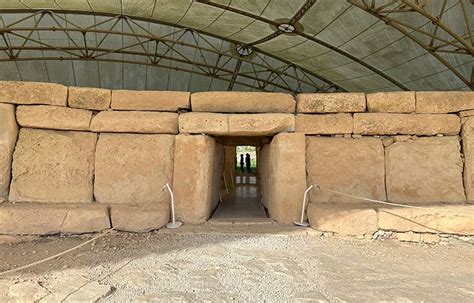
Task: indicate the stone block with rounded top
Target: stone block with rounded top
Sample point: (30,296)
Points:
(391,102)
(89,98)
(53,117)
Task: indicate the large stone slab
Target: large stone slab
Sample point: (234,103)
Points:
(53,166)
(204,123)
(242,102)
(444,102)
(133,218)
(468,149)
(344,219)
(391,102)
(406,124)
(351,166)
(330,103)
(150,100)
(53,117)
(89,98)
(193,177)
(8,135)
(135,122)
(425,170)
(328,124)
(42,219)
(453,219)
(33,93)
(132,168)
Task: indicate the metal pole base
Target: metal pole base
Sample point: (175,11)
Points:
(174,225)
(304,224)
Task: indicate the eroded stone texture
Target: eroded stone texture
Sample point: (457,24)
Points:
(53,166)
(391,102)
(329,124)
(454,219)
(138,218)
(33,93)
(150,100)
(42,219)
(468,149)
(53,117)
(444,102)
(330,103)
(261,124)
(135,122)
(351,166)
(242,102)
(406,124)
(345,219)
(193,176)
(8,135)
(131,168)
(424,170)
(89,98)
(204,123)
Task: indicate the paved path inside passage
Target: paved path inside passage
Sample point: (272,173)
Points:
(237,263)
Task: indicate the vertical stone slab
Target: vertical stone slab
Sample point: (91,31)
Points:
(8,134)
(287,178)
(193,177)
(263,167)
(468,149)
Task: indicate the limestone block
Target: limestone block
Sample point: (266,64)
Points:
(467,113)
(193,177)
(33,93)
(444,102)
(330,103)
(133,168)
(261,124)
(204,123)
(42,219)
(89,98)
(406,124)
(287,177)
(242,102)
(53,117)
(53,166)
(8,135)
(344,219)
(391,102)
(468,149)
(448,219)
(351,166)
(135,122)
(150,100)
(139,219)
(424,170)
(328,124)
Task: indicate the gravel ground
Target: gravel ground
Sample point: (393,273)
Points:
(242,264)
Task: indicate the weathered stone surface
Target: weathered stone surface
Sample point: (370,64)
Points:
(150,100)
(91,292)
(138,218)
(42,219)
(329,124)
(444,102)
(26,291)
(33,93)
(391,102)
(135,122)
(8,135)
(468,149)
(131,168)
(89,98)
(330,103)
(406,124)
(453,219)
(287,177)
(53,166)
(204,123)
(424,170)
(345,219)
(242,102)
(193,177)
(261,124)
(351,166)
(53,117)
(467,113)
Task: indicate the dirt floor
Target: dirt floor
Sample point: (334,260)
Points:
(236,263)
